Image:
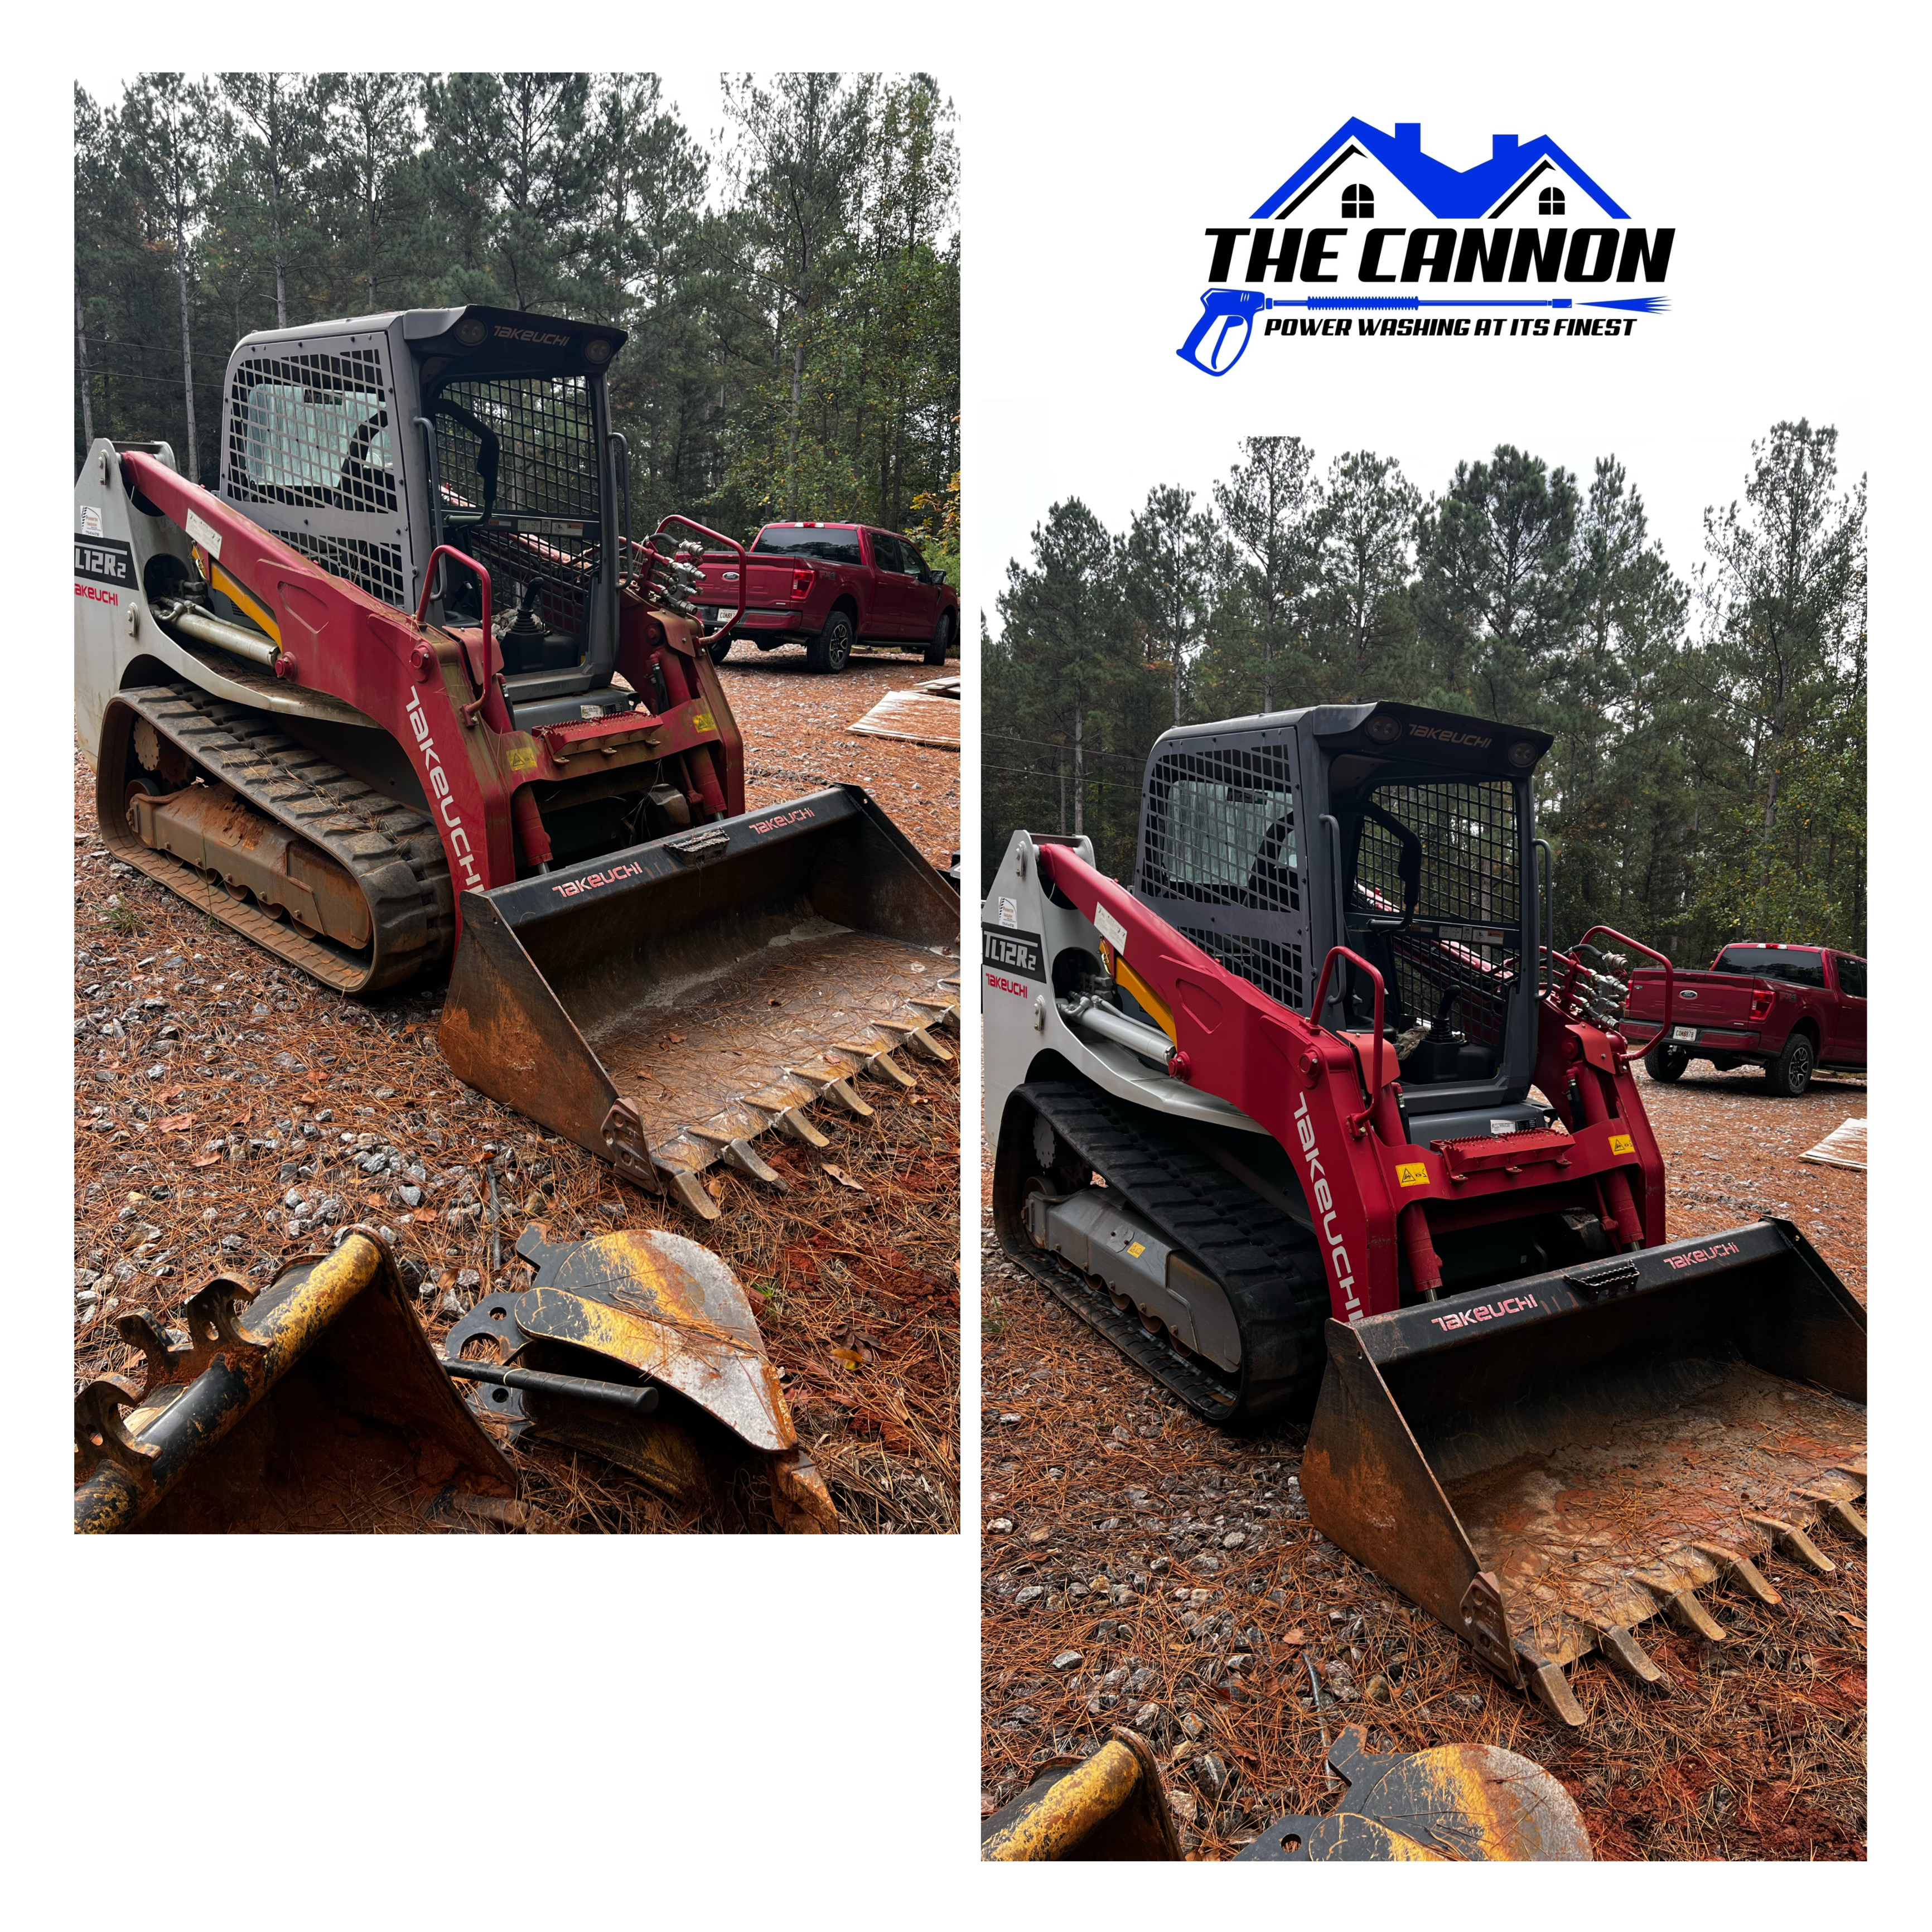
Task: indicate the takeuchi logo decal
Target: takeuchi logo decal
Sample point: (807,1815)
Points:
(1371,237)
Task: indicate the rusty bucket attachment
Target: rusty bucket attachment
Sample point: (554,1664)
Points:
(315,1404)
(1111,1808)
(1460,1802)
(640,1348)
(667,1005)
(1546,1465)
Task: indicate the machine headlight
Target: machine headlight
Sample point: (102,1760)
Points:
(597,350)
(1522,754)
(1384,731)
(470,330)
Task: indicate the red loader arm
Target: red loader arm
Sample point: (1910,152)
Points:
(1374,1196)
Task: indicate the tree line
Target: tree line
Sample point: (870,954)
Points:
(1707,781)
(793,299)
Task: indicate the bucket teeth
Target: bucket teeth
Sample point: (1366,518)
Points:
(1684,1608)
(1795,1544)
(883,1067)
(97,1414)
(1622,1649)
(847,1096)
(209,1319)
(919,1037)
(1839,1514)
(793,1123)
(140,1331)
(1553,1691)
(744,1158)
(1743,1572)
(686,1186)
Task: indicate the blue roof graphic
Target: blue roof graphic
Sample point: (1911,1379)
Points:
(1450,196)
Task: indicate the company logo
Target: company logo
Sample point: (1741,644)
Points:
(1323,1197)
(1488,1312)
(505,333)
(1000,983)
(569,888)
(1018,952)
(438,786)
(1370,237)
(1697,1256)
(784,818)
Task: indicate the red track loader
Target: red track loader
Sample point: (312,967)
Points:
(402,690)
(1310,1118)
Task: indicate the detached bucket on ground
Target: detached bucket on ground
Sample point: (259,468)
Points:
(1547,1465)
(666,1005)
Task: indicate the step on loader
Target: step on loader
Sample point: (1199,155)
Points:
(1314,1120)
(401,697)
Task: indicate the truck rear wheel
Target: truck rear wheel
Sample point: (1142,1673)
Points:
(942,640)
(720,648)
(1790,1073)
(829,651)
(1666,1064)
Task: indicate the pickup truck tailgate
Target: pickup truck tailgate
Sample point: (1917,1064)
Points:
(1703,999)
(768,582)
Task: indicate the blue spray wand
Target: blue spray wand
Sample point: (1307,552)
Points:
(1227,316)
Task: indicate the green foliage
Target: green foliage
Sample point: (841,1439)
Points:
(1699,788)
(792,306)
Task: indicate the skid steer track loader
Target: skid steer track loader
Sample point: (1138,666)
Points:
(1282,1186)
(402,687)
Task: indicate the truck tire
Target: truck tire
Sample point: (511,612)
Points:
(1790,1073)
(720,648)
(831,650)
(1666,1064)
(942,639)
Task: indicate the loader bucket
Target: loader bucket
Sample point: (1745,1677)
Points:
(1547,1465)
(666,1005)
(1110,1809)
(644,1309)
(316,1404)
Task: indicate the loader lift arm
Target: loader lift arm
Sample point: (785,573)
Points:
(1375,1196)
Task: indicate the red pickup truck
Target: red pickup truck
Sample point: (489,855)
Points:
(1790,1009)
(830,587)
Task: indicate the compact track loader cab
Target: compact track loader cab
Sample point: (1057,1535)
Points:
(404,678)
(1313,1119)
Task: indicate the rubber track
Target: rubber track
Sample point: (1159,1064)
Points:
(391,850)
(1266,1264)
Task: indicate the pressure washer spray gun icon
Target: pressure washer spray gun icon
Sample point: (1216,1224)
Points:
(1227,320)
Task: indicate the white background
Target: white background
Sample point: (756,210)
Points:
(552,1732)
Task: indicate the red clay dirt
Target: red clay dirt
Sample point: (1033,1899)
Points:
(854,1276)
(1115,1498)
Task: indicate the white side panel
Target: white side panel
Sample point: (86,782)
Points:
(1023,932)
(113,624)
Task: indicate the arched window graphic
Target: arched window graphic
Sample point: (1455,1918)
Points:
(1358,202)
(1550,202)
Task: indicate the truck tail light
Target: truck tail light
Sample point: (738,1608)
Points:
(1761,1005)
(801,583)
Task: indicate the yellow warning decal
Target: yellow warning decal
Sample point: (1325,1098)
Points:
(1411,1174)
(523,758)
(1151,1003)
(252,607)
(1621,1144)
(1137,1249)
(703,720)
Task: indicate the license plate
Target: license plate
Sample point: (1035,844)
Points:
(1687,1034)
